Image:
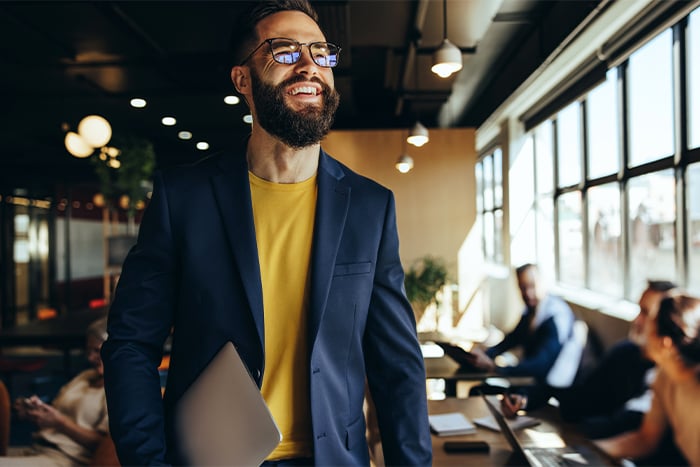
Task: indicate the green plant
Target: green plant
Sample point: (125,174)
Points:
(423,280)
(137,160)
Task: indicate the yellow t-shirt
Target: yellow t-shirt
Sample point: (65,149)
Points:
(284,223)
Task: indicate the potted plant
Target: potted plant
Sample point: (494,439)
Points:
(423,280)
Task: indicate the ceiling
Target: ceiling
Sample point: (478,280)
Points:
(61,61)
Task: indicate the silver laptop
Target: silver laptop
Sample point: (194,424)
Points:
(545,457)
(222,418)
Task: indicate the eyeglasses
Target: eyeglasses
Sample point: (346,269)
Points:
(288,51)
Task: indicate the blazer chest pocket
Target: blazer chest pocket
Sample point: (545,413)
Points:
(351,269)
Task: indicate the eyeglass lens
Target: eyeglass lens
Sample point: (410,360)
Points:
(288,51)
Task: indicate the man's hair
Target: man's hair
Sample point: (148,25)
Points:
(524,267)
(661,286)
(244,38)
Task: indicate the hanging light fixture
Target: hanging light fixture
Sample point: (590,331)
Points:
(94,132)
(77,146)
(447,59)
(418,135)
(404,164)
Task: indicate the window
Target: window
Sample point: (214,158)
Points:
(650,84)
(544,216)
(693,211)
(569,145)
(693,57)
(602,124)
(570,238)
(652,216)
(522,204)
(612,227)
(489,176)
(605,240)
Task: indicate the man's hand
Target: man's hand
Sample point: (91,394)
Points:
(511,404)
(479,359)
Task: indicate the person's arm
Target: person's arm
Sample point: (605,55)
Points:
(634,444)
(511,340)
(47,416)
(394,363)
(540,361)
(139,322)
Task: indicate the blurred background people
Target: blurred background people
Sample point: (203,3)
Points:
(672,341)
(614,396)
(74,423)
(546,323)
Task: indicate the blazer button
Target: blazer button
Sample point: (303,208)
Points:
(257,374)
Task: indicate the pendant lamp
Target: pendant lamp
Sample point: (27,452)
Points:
(447,59)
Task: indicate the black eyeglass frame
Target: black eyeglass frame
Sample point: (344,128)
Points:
(301,45)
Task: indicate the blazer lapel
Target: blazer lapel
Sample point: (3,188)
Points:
(331,211)
(232,192)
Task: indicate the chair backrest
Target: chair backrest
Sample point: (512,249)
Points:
(106,454)
(4,419)
(563,372)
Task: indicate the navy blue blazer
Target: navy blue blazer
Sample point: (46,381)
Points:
(195,269)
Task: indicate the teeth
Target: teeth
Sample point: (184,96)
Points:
(304,90)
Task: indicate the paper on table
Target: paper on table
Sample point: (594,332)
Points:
(453,423)
(520,422)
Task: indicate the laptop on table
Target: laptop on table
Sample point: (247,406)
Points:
(588,455)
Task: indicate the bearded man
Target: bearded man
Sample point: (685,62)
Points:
(285,252)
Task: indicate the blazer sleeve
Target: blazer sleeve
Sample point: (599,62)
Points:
(140,319)
(511,340)
(541,357)
(394,362)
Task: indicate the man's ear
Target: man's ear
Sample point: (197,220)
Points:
(240,79)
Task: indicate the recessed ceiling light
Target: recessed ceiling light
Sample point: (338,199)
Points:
(138,103)
(168,121)
(248,118)
(184,135)
(232,100)
(202,145)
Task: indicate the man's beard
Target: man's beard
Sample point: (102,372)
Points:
(297,129)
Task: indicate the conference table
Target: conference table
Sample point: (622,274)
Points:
(65,332)
(448,370)
(550,432)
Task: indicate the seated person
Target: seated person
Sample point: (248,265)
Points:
(546,323)
(673,343)
(72,426)
(614,396)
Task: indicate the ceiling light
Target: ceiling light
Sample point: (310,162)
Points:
(418,135)
(168,121)
(232,100)
(77,146)
(184,135)
(138,103)
(404,164)
(447,59)
(202,145)
(248,118)
(95,130)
